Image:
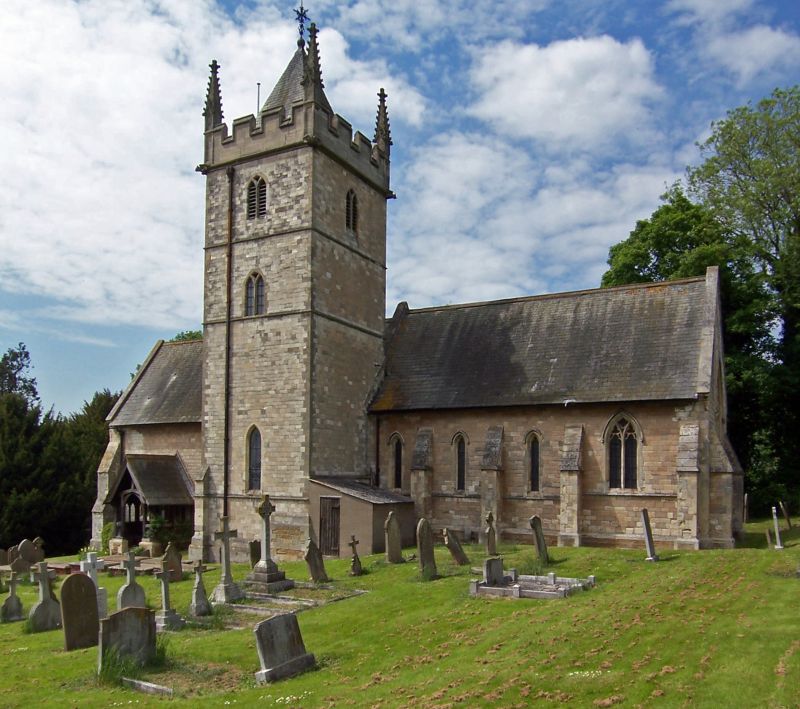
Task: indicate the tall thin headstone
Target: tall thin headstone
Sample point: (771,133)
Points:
(355,563)
(266,577)
(427,561)
(491,536)
(785,512)
(12,606)
(199,605)
(79,615)
(538,539)
(226,591)
(315,562)
(746,506)
(778,544)
(393,538)
(454,547)
(648,536)
(46,614)
(769,538)
(90,566)
(173,562)
(167,618)
(131,595)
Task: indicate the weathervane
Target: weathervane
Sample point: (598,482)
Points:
(302,18)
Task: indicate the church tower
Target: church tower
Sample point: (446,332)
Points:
(294,303)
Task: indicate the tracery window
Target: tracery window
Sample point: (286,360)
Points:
(254,460)
(254,295)
(256,198)
(623,454)
(351,212)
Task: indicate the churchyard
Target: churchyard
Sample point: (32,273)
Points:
(712,628)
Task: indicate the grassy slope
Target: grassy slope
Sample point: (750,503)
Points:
(714,628)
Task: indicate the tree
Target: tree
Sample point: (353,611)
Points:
(187,335)
(15,366)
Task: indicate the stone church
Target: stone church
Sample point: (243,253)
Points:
(582,407)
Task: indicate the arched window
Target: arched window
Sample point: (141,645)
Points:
(256,198)
(461,461)
(623,455)
(533,462)
(254,295)
(254,460)
(351,212)
(398,463)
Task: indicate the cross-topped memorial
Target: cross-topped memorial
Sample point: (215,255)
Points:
(199,605)
(12,606)
(167,618)
(46,614)
(90,566)
(266,577)
(131,595)
(226,591)
(355,564)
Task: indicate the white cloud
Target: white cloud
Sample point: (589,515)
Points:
(709,11)
(756,50)
(579,94)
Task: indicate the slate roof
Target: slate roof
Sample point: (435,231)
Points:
(161,479)
(376,496)
(166,389)
(640,342)
(289,90)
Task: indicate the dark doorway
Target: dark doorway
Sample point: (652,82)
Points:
(329,525)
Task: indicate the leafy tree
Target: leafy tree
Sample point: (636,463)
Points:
(15,366)
(186,335)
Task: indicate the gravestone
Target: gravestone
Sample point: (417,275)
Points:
(493,571)
(785,512)
(172,563)
(20,565)
(454,547)
(131,595)
(226,590)
(281,651)
(491,536)
(90,566)
(46,614)
(355,564)
(427,562)
(28,552)
(38,545)
(79,616)
(167,618)
(254,547)
(315,562)
(12,606)
(13,553)
(746,508)
(769,538)
(539,540)
(3,557)
(393,537)
(199,605)
(778,544)
(266,577)
(130,632)
(648,536)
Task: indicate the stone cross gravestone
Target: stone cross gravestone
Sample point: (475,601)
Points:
(281,650)
(265,510)
(427,561)
(167,618)
(226,591)
(778,543)
(90,566)
(12,606)
(130,632)
(491,536)
(46,614)
(315,562)
(199,605)
(454,547)
(131,595)
(266,577)
(79,616)
(648,536)
(172,562)
(355,564)
(393,538)
(538,539)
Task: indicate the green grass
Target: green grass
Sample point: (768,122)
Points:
(708,629)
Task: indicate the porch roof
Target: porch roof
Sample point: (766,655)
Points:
(160,479)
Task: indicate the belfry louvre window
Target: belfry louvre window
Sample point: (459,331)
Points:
(257,198)
(623,456)
(254,295)
(351,212)
(254,460)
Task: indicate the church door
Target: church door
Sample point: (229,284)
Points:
(329,525)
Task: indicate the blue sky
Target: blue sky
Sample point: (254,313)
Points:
(528,138)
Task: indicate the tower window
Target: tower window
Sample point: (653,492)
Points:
(254,301)
(351,212)
(623,449)
(256,198)
(398,463)
(461,462)
(254,460)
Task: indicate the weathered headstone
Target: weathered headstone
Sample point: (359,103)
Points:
(130,632)
(539,540)
(454,547)
(38,545)
(167,618)
(46,614)
(281,650)
(648,536)
(785,512)
(355,563)
(12,606)
(90,566)
(131,595)
(393,537)
(172,562)
(226,590)
(315,562)
(493,571)
(20,565)
(254,547)
(427,561)
(491,536)
(746,508)
(266,577)
(28,551)
(13,553)
(769,538)
(79,616)
(778,544)
(199,605)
